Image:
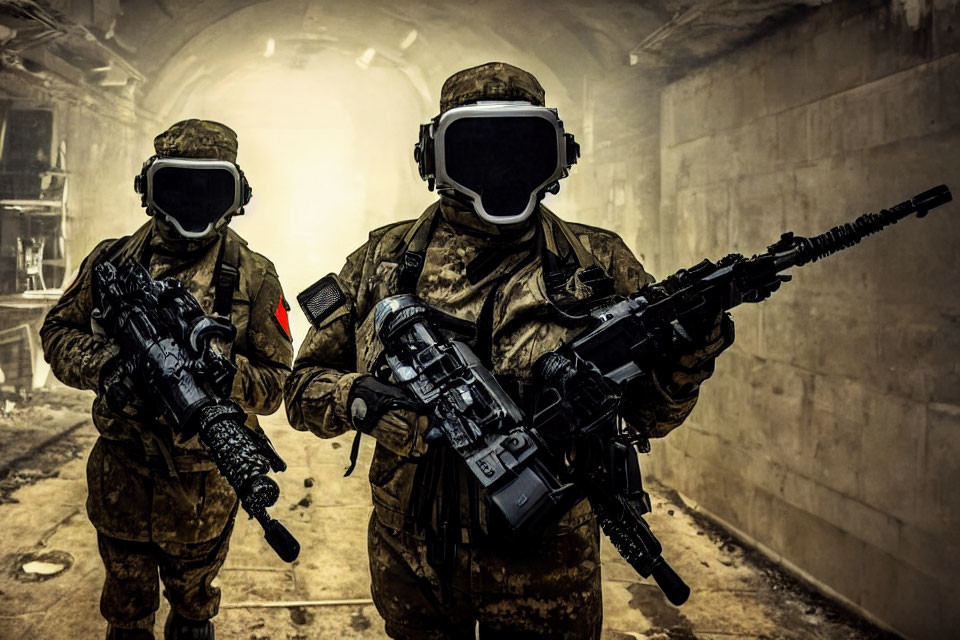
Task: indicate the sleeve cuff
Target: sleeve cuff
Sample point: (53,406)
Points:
(341,398)
(94,361)
(674,397)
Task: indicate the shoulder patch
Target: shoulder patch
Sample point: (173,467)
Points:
(321,299)
(280,315)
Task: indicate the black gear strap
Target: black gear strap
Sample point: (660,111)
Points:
(414,252)
(225,276)
(116,246)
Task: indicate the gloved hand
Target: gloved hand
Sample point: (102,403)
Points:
(699,345)
(119,388)
(581,395)
(372,403)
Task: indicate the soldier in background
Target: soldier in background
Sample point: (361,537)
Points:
(160,505)
(441,559)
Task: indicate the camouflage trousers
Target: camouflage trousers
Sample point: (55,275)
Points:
(548,589)
(131,593)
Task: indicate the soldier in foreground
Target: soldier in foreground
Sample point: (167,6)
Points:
(159,504)
(488,252)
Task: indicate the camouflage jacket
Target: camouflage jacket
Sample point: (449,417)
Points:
(343,347)
(142,484)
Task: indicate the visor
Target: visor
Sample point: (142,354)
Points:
(501,155)
(194,195)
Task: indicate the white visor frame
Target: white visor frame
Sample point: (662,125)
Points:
(500,110)
(194,163)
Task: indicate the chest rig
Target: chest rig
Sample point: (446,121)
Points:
(447,506)
(155,451)
(567,266)
(226,273)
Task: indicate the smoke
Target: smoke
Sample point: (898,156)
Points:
(327,147)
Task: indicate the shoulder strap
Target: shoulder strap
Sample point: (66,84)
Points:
(565,238)
(225,276)
(414,254)
(564,255)
(114,249)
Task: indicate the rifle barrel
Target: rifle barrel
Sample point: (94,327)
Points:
(847,235)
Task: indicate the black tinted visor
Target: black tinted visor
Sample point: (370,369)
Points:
(503,159)
(194,197)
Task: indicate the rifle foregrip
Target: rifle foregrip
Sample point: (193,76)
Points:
(260,493)
(670,582)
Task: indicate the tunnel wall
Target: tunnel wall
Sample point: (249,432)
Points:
(616,185)
(830,434)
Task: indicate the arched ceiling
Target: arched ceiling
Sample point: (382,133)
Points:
(179,44)
(148,51)
(603,31)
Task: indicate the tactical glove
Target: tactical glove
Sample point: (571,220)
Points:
(581,394)
(118,387)
(698,345)
(372,402)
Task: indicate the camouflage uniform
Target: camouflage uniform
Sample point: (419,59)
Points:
(553,592)
(548,587)
(157,504)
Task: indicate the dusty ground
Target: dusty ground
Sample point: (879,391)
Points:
(736,594)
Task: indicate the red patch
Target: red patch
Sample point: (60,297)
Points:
(281,315)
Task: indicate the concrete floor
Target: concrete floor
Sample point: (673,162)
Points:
(735,593)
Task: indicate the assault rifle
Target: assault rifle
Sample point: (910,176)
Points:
(573,446)
(164,340)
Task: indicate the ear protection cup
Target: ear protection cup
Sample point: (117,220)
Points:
(140,182)
(573,149)
(423,154)
(246,192)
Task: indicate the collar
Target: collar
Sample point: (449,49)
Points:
(164,239)
(464,220)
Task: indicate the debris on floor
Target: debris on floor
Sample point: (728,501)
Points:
(737,592)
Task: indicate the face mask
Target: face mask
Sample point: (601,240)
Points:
(194,196)
(500,156)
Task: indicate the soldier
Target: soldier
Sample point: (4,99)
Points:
(440,558)
(159,504)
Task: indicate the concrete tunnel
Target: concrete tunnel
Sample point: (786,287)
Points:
(813,490)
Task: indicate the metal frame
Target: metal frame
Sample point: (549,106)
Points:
(31,209)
